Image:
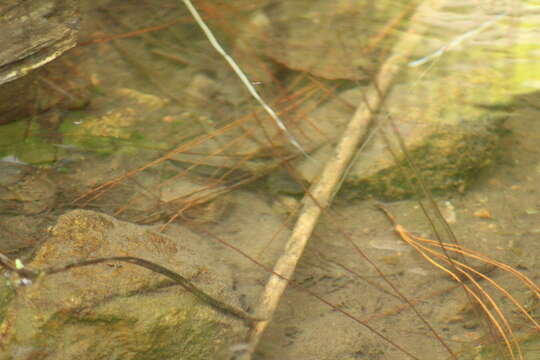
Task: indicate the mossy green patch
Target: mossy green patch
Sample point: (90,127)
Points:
(23,140)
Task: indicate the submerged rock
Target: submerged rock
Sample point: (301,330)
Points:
(448,141)
(448,105)
(118,310)
(24,190)
(326,39)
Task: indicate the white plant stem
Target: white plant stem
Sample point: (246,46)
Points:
(241,75)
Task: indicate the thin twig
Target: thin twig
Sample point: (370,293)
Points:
(218,305)
(241,75)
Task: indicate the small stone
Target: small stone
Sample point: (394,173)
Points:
(482,214)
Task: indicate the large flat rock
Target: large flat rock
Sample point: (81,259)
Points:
(118,310)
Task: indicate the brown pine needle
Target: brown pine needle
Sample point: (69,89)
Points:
(477,256)
(459,271)
(491,281)
(420,249)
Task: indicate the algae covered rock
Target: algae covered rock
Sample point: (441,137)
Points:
(448,133)
(448,104)
(117,310)
(448,138)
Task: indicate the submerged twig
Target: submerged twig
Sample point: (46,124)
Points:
(321,193)
(218,305)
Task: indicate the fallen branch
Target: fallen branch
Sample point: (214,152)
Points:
(322,192)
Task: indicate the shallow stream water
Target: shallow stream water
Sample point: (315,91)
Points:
(157,90)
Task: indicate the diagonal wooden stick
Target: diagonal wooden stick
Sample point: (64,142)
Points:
(322,192)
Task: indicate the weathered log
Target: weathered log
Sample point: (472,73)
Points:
(32,33)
